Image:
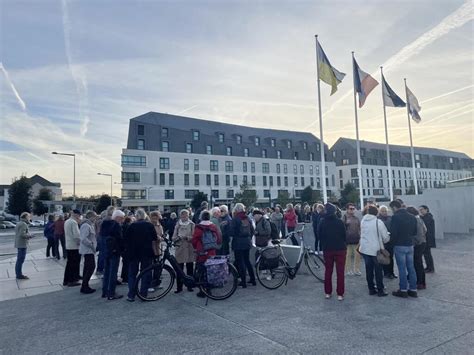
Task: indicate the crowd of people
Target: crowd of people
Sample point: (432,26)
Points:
(133,239)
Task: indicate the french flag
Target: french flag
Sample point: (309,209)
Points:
(363,83)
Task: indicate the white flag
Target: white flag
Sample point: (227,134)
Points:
(413,106)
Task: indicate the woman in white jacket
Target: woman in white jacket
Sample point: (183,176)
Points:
(373,235)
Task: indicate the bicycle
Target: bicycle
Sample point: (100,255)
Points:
(156,281)
(273,277)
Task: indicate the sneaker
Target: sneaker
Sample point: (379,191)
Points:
(402,294)
(22,277)
(130,299)
(413,294)
(114,297)
(357,273)
(372,292)
(327,296)
(350,273)
(340,298)
(382,294)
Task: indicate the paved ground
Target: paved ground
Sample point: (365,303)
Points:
(293,319)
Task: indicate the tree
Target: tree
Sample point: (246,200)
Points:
(39,208)
(247,196)
(19,196)
(198,198)
(349,194)
(283,198)
(102,203)
(309,195)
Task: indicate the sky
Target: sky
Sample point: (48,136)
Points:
(73,73)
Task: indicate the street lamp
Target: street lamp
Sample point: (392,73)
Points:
(74,178)
(111,198)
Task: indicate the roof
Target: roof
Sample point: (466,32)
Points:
(212,127)
(404,149)
(36,179)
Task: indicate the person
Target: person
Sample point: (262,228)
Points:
(352,223)
(299,213)
(388,270)
(276,217)
(307,214)
(224,222)
(418,249)
(402,229)
(202,255)
(87,249)
(428,219)
(139,238)
(184,253)
(128,220)
(111,230)
(22,236)
(373,235)
(155,219)
(215,215)
(73,239)
(171,223)
(197,214)
(49,235)
(59,237)
(104,216)
(291,219)
(242,231)
(332,236)
(263,229)
(318,211)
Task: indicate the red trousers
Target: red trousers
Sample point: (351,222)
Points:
(331,257)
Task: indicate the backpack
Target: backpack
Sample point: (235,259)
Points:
(274,234)
(245,228)
(209,240)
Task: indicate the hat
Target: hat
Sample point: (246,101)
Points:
(254,212)
(118,213)
(330,209)
(76,211)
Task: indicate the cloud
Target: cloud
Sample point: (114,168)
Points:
(15,91)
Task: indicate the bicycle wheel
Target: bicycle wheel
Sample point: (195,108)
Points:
(218,292)
(315,265)
(271,278)
(155,282)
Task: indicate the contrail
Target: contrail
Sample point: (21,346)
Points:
(447,94)
(187,109)
(77,74)
(15,91)
(458,18)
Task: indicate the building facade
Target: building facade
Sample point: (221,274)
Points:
(434,167)
(170,158)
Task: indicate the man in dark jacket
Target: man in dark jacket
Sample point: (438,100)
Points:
(197,214)
(427,218)
(403,228)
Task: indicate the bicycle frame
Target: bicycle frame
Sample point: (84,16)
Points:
(289,270)
(188,281)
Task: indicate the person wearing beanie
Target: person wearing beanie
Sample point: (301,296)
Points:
(332,236)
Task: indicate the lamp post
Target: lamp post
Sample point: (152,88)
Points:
(74,175)
(111,196)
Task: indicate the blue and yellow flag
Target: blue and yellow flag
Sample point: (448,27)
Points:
(327,72)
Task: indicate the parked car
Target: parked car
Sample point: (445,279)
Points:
(37,224)
(7,216)
(6,224)
(2,226)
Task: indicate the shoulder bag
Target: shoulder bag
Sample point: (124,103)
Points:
(383,256)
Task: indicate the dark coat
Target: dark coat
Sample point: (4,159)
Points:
(315,219)
(170,226)
(241,241)
(430,232)
(112,232)
(332,233)
(139,238)
(403,228)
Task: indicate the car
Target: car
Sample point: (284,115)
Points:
(2,226)
(37,224)
(9,224)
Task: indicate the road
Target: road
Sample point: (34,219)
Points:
(7,241)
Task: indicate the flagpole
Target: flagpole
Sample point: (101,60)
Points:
(359,161)
(411,140)
(389,166)
(321,138)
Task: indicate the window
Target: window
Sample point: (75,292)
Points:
(245,180)
(295,169)
(215,194)
(229,166)
(221,137)
(228,151)
(312,181)
(189,147)
(253,180)
(186,164)
(345,161)
(288,144)
(130,177)
(209,149)
(264,153)
(162,179)
(189,194)
(295,180)
(239,139)
(264,181)
(340,174)
(343,152)
(141,130)
(451,160)
(354,173)
(301,169)
(169,194)
(246,152)
(141,144)
(214,165)
(196,164)
(230,193)
(196,179)
(278,154)
(334,154)
(311,170)
(196,135)
(278,168)
(133,194)
(252,167)
(285,168)
(227,180)
(295,155)
(278,181)
(216,180)
(131,160)
(317,170)
(266,193)
(318,146)
(186,179)
(164,132)
(302,182)
(318,183)
(164,163)
(171,179)
(244,166)
(271,181)
(234,180)
(273,142)
(311,156)
(417,156)
(257,141)
(165,146)
(286,181)
(265,168)
(208,180)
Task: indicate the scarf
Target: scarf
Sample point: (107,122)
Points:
(181,223)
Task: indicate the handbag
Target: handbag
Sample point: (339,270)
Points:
(383,256)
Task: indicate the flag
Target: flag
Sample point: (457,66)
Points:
(363,83)
(413,106)
(389,96)
(327,72)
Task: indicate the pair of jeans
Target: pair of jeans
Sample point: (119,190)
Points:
(59,239)
(332,257)
(88,270)
(418,263)
(133,267)
(73,265)
(428,258)
(404,255)
(388,269)
(20,259)
(110,275)
(50,248)
(102,250)
(242,262)
(352,251)
(373,268)
(189,272)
